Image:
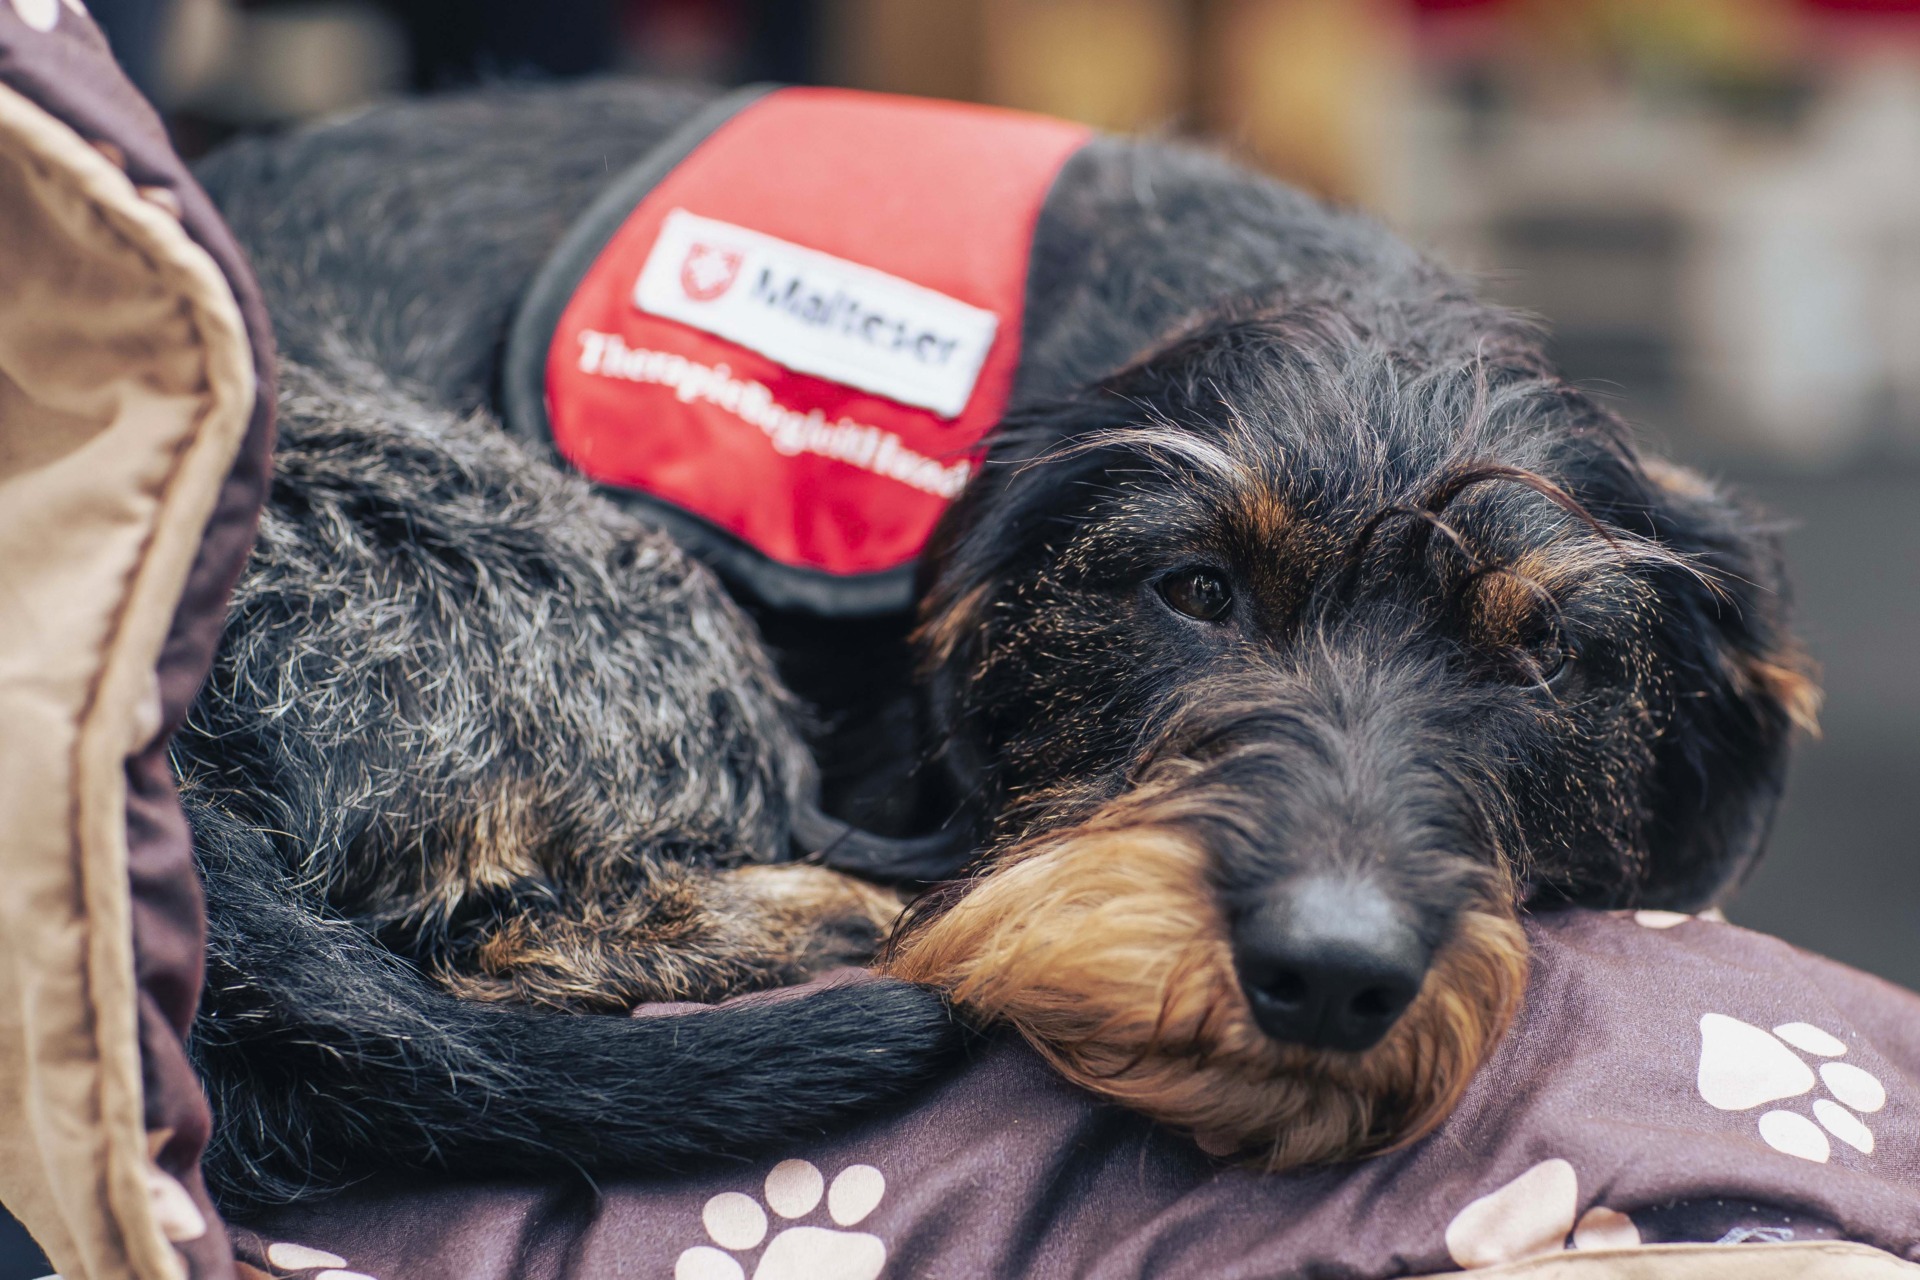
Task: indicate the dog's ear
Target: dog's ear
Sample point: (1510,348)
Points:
(1740,685)
(983,552)
(969,560)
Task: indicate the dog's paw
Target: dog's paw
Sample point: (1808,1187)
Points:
(1743,1066)
(810,918)
(737,1224)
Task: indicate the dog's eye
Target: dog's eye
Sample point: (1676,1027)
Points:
(1545,662)
(1553,662)
(1198,593)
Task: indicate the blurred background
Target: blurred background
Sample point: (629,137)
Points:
(1715,204)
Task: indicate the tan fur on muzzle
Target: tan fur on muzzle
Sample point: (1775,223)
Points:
(1106,948)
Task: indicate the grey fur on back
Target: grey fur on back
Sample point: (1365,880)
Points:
(434,620)
(374,243)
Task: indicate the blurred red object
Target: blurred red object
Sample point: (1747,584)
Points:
(1873,8)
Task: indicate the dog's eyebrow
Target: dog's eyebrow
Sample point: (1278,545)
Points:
(1159,442)
(1621,547)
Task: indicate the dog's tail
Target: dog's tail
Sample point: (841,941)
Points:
(327,1058)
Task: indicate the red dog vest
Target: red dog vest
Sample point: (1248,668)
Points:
(788,331)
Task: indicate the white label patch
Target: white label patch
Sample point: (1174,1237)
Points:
(815,313)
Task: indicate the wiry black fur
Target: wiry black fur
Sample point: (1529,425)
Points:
(1218,372)
(326,1056)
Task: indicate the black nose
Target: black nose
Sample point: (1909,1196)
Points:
(1328,963)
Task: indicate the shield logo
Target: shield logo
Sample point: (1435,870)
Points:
(707,271)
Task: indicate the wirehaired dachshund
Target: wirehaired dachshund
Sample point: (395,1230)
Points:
(1302,628)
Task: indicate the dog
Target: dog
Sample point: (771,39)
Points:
(1301,629)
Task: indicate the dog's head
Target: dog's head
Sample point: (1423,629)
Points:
(1284,665)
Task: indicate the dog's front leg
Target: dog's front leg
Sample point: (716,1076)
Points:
(686,933)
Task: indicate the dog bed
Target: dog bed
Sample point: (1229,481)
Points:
(1681,1098)
(1675,1087)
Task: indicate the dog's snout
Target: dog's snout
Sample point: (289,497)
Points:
(1328,963)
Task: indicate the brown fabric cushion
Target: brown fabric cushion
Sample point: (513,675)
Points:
(1637,1102)
(133,456)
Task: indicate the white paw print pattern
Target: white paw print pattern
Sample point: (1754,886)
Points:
(44,15)
(1743,1067)
(1531,1216)
(310,1263)
(737,1224)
